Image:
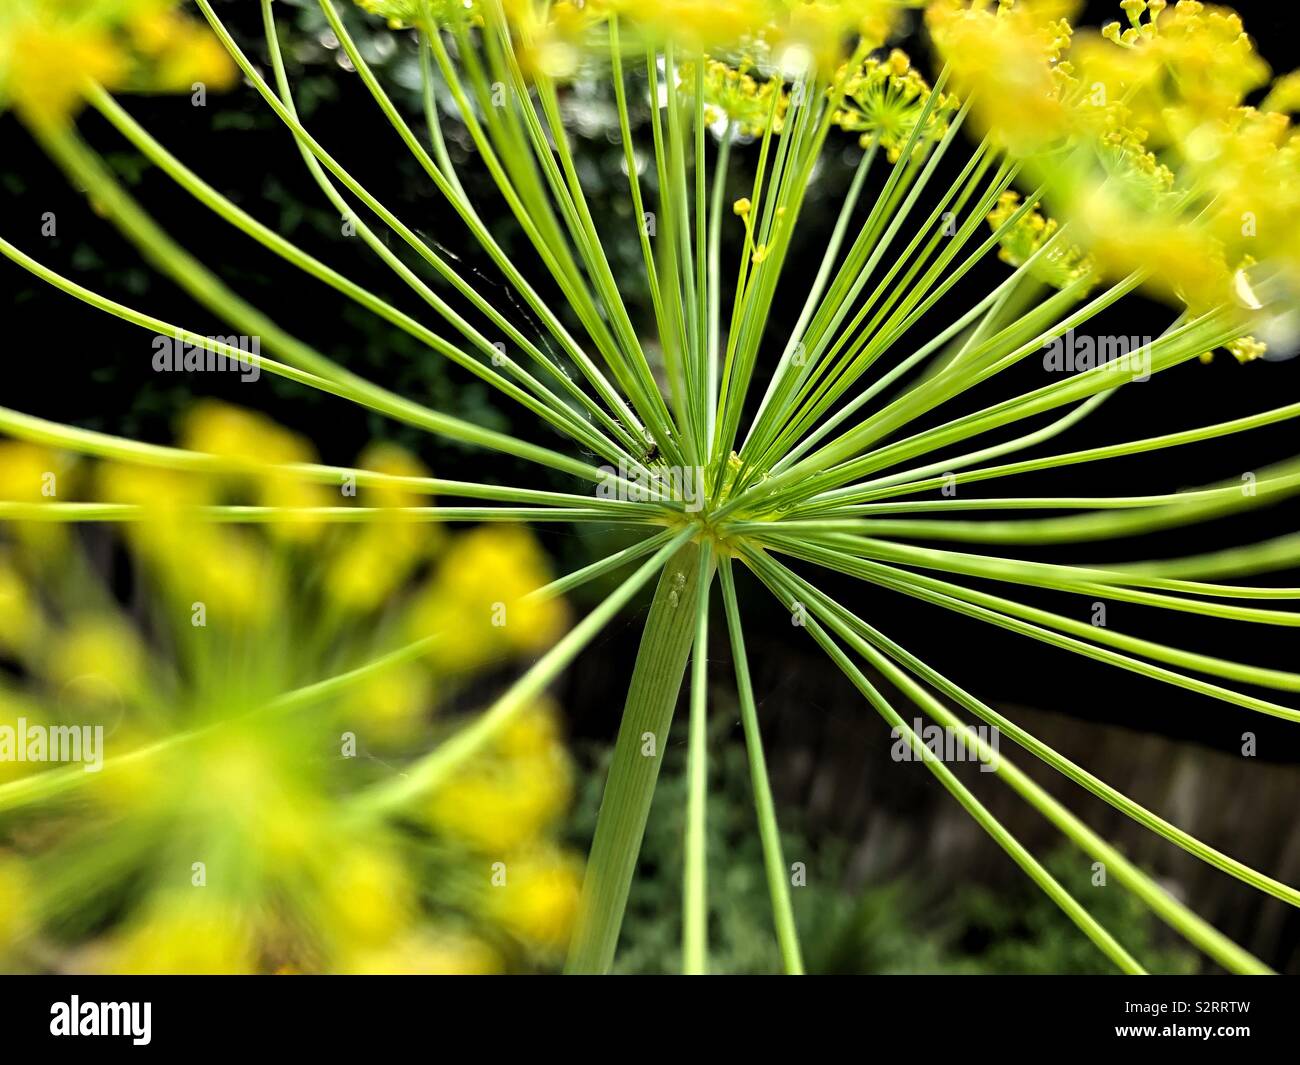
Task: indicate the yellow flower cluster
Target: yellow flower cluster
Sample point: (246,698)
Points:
(884,100)
(510,798)
(732,94)
(50,50)
(1175,68)
(1061,265)
(1006,59)
(505,806)
(1144,142)
(208,778)
(478,603)
(1243,349)
(403,13)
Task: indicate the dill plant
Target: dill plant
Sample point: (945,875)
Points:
(1095,165)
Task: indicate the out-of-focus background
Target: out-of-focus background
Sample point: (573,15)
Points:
(898,877)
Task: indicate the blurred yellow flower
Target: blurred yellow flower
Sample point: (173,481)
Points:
(15,901)
(368,898)
(256,447)
(245,727)
(50,50)
(432,952)
(182,935)
(512,794)
(1006,61)
(244,436)
(96,658)
(538,902)
(370,561)
(21,621)
(476,601)
(30,473)
(390,707)
(46,66)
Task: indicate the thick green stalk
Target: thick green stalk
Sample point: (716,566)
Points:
(638,754)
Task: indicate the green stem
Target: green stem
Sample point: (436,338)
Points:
(638,754)
(774,866)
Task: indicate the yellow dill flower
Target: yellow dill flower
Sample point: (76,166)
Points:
(1182,66)
(254,444)
(30,473)
(884,101)
(1283,94)
(1248,167)
(822,30)
(368,564)
(16,894)
(1185,264)
(1243,349)
(393,461)
(229,572)
(551,38)
(511,795)
(372,560)
(396,462)
(177,51)
(50,50)
(1087,116)
(430,952)
(184,934)
(21,620)
(1059,266)
(716,27)
(241,436)
(732,94)
(477,600)
(534,734)
(368,898)
(1144,181)
(165,492)
(204,761)
(538,902)
(44,66)
(391,706)
(1007,61)
(96,658)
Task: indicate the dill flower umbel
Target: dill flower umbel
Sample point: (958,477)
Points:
(244,721)
(738,96)
(1141,138)
(1061,265)
(885,99)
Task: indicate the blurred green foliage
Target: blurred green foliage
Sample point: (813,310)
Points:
(897,926)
